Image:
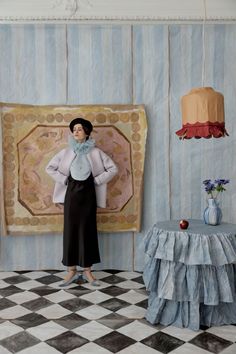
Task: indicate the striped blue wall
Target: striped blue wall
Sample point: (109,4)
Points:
(151,64)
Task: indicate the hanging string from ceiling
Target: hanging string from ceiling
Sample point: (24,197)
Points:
(202,108)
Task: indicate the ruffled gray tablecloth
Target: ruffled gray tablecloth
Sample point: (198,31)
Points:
(191,274)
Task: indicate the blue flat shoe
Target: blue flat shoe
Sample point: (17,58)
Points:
(72,280)
(94,282)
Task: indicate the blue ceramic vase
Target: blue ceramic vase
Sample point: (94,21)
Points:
(212,214)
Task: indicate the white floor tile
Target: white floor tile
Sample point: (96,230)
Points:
(93,312)
(129,284)
(59,296)
(8,329)
(13,312)
(96,297)
(3,284)
(132,297)
(139,348)
(129,275)
(133,312)
(90,348)
(184,334)
(53,312)
(4,350)
(226,332)
(30,284)
(137,330)
(41,348)
(25,296)
(36,274)
(46,330)
(92,330)
(100,274)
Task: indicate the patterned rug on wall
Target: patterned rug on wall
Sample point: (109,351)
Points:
(33,134)
(39,317)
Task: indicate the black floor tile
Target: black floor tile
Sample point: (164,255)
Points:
(114,321)
(113,279)
(78,291)
(10,290)
(210,342)
(114,304)
(114,341)
(19,341)
(162,342)
(5,303)
(66,342)
(71,321)
(138,280)
(30,320)
(143,304)
(16,279)
(114,290)
(75,304)
(44,290)
(37,304)
(49,279)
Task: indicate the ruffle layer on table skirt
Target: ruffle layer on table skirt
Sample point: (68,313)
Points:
(216,249)
(179,282)
(189,314)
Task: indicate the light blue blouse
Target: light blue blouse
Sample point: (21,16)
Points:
(80,168)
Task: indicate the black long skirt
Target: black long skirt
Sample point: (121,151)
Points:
(80,240)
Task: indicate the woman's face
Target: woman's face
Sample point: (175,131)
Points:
(79,133)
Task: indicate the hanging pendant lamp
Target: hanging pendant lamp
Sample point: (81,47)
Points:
(202,114)
(202,108)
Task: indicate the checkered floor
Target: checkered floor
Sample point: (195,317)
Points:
(36,316)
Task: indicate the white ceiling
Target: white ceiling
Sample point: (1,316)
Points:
(116,10)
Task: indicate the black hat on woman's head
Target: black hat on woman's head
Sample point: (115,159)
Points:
(86,124)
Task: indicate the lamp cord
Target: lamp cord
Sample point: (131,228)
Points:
(203,45)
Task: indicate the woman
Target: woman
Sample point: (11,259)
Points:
(81,173)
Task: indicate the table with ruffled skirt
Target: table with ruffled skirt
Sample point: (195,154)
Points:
(190,274)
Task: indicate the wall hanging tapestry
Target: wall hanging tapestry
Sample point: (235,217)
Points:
(31,135)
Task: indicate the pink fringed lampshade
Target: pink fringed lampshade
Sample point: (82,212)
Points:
(202,114)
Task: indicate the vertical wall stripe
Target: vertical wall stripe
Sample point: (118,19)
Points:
(39,54)
(5,64)
(67,67)
(168,127)
(98,71)
(29,73)
(50,61)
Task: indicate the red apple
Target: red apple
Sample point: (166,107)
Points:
(183,224)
